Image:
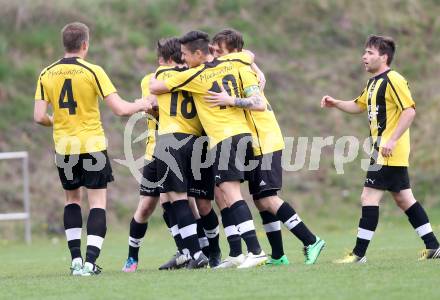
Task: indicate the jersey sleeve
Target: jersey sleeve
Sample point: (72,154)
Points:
(40,93)
(145,85)
(104,86)
(400,92)
(242,57)
(185,81)
(248,77)
(361,100)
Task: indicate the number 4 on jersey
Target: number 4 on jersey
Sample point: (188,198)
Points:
(70,103)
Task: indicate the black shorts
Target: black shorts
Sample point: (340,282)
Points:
(91,170)
(268,176)
(150,181)
(387,178)
(231,158)
(175,164)
(202,183)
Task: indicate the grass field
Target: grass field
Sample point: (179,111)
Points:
(393,272)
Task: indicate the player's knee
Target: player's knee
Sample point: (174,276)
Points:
(146,208)
(204,206)
(367,200)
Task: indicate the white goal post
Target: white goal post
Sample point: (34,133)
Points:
(26,201)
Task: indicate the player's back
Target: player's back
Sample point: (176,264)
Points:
(72,86)
(177,111)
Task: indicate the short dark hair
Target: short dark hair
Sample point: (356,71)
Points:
(384,44)
(74,34)
(170,48)
(232,38)
(196,40)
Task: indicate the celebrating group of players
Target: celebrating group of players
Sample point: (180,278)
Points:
(210,128)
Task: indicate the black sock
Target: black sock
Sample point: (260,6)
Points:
(211,226)
(137,233)
(203,240)
(96,229)
(187,227)
(73,227)
(171,220)
(231,233)
(419,220)
(272,227)
(245,225)
(290,218)
(367,226)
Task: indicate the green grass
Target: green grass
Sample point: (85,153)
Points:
(393,272)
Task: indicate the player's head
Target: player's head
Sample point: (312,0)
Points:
(227,41)
(168,51)
(195,48)
(75,38)
(379,52)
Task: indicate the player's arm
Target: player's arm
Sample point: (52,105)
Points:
(405,121)
(260,76)
(350,107)
(40,113)
(158,87)
(253,99)
(121,107)
(401,96)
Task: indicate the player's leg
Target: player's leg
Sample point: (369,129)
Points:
(73,228)
(97,174)
(370,200)
(203,190)
(210,224)
(179,259)
(71,180)
(138,229)
(229,183)
(235,257)
(267,178)
(148,199)
(420,222)
(203,240)
(272,227)
(284,212)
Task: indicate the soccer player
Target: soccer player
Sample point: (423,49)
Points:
(226,127)
(266,179)
(71,86)
(391,110)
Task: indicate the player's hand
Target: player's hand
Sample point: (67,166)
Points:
(328,101)
(387,149)
(144,105)
(219,99)
(261,80)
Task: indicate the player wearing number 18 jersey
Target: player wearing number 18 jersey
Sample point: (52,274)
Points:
(72,87)
(226,127)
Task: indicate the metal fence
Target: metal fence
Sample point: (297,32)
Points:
(26,201)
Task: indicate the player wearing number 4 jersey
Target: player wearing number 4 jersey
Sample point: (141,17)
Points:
(71,86)
(226,127)
(266,179)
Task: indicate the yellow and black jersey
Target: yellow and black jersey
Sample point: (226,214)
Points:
(152,123)
(177,111)
(243,58)
(219,123)
(266,132)
(385,97)
(72,86)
